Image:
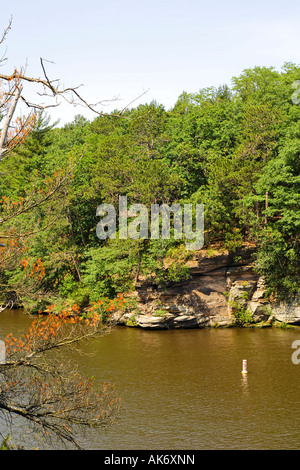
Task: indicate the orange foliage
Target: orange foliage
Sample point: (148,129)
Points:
(46,328)
(37,268)
(20,130)
(105,305)
(43,329)
(21,126)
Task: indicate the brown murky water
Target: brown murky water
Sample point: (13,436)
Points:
(183,389)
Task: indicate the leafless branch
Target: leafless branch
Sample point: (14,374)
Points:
(133,101)
(5,32)
(47,84)
(47,79)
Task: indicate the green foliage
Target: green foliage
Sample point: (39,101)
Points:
(160,312)
(108,270)
(131,321)
(242,315)
(6,444)
(234,150)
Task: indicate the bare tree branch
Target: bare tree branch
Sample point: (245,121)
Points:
(50,394)
(5,32)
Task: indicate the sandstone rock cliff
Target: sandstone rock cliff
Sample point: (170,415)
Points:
(217,283)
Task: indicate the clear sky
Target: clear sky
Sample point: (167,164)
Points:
(122,48)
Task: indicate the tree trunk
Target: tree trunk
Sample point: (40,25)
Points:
(138,267)
(7,121)
(266,207)
(74,258)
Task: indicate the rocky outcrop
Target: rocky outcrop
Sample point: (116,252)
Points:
(287,312)
(218,286)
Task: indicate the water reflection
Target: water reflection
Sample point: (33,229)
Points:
(244,383)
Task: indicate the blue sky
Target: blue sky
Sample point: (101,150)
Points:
(122,48)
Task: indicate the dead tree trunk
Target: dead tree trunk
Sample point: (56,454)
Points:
(8,120)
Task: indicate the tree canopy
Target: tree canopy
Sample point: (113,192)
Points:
(235,150)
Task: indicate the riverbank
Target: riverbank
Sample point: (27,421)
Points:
(223,290)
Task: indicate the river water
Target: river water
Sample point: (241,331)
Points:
(183,389)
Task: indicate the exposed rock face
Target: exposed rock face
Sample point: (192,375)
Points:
(205,300)
(287,312)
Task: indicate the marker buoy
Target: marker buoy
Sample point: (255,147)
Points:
(244,371)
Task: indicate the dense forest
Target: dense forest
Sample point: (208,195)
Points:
(234,149)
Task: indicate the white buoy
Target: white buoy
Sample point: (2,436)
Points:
(244,371)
